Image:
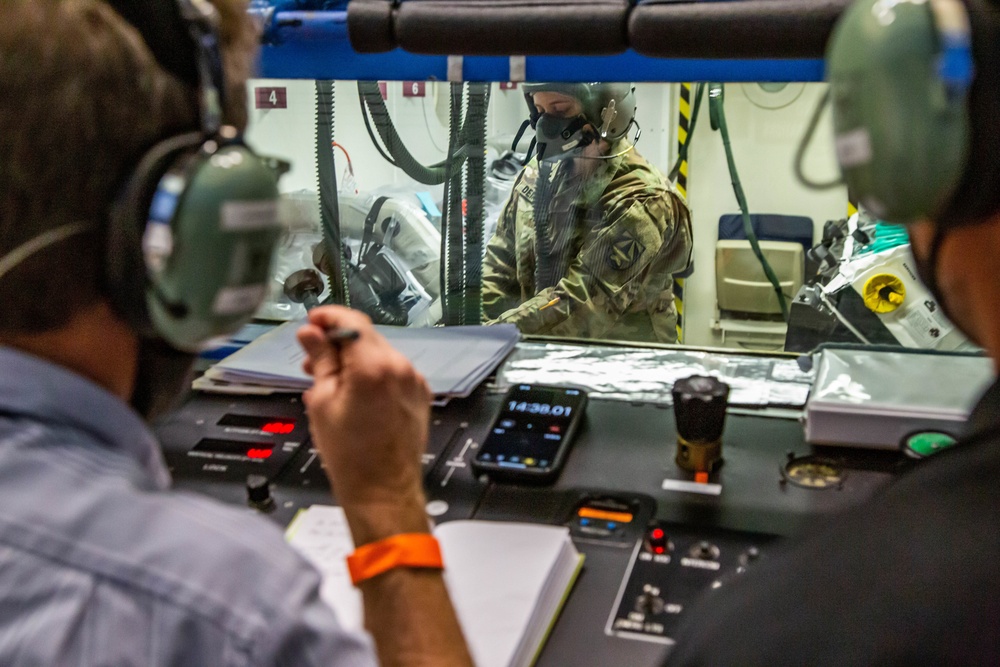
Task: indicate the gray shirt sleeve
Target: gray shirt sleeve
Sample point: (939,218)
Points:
(316,638)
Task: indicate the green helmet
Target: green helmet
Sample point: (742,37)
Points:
(899,77)
(609,107)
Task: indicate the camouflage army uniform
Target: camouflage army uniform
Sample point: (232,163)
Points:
(618,236)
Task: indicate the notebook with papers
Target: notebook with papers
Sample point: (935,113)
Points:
(454,360)
(507,581)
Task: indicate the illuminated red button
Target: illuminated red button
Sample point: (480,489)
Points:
(259,453)
(278,428)
(658,542)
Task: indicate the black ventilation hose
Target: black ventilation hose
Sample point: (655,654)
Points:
(399,156)
(452,222)
(329,206)
(474,131)
(461,231)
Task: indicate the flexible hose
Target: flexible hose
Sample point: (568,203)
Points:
(329,207)
(398,155)
(452,222)
(800,152)
(716,100)
(475,177)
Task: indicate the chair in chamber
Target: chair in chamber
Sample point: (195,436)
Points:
(747,310)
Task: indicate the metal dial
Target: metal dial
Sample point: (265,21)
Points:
(813,472)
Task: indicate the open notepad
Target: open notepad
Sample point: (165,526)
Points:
(454,360)
(507,581)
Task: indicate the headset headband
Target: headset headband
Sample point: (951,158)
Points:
(166,28)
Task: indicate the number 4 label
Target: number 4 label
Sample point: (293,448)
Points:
(414,88)
(271,98)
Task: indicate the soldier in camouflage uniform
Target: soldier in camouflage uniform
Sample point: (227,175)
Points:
(588,242)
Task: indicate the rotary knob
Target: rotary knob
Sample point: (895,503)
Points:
(259,493)
(700,403)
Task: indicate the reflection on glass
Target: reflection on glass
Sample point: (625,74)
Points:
(447,214)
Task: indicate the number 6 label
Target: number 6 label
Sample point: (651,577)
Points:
(414,88)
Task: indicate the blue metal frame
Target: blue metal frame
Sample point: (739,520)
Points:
(314,45)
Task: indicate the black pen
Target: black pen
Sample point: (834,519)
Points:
(341,336)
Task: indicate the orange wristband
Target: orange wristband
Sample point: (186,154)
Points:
(405,550)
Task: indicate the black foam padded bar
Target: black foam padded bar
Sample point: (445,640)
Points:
(369,25)
(511,27)
(733,29)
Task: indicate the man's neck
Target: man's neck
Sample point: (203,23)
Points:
(96,344)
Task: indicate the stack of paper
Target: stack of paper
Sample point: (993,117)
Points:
(454,360)
(507,581)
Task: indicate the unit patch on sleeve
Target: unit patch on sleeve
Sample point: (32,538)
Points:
(624,252)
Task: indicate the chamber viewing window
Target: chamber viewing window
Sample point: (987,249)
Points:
(601,211)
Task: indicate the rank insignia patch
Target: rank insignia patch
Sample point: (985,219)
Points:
(624,252)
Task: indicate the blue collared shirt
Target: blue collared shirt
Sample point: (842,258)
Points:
(102,564)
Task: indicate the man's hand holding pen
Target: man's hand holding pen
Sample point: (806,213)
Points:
(368,414)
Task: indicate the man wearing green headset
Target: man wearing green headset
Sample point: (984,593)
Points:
(592,234)
(909,577)
(101,561)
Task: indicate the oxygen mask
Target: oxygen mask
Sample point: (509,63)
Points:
(558,138)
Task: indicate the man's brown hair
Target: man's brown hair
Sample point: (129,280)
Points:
(81,98)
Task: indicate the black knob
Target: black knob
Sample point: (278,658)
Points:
(700,407)
(649,605)
(704,551)
(649,601)
(259,493)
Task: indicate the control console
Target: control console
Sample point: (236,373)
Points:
(672,566)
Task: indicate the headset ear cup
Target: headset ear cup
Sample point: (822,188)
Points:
(215,271)
(126,278)
(900,120)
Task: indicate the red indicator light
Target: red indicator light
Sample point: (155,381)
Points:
(259,453)
(278,428)
(657,534)
(658,550)
(554,428)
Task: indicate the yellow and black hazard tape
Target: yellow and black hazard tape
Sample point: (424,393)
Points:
(683,126)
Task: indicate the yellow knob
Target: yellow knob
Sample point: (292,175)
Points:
(883,293)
